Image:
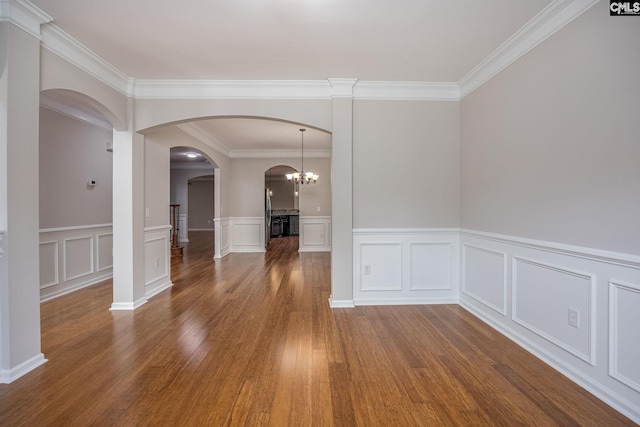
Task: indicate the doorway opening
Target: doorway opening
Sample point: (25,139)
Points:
(192,192)
(282,213)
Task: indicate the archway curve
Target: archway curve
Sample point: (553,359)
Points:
(81,106)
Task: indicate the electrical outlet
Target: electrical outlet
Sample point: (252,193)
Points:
(157,262)
(574,317)
(147,212)
(366,269)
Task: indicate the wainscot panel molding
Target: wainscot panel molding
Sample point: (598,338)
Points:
(315,234)
(73,258)
(183,232)
(577,309)
(157,260)
(246,234)
(222,237)
(624,319)
(405,266)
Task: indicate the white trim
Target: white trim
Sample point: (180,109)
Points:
(77,227)
(194,130)
(347,303)
(92,269)
(62,44)
(128,306)
(406,91)
(9,375)
(406,301)
(591,356)
(165,273)
(505,284)
(76,287)
(614,258)
(614,285)
(157,228)
(100,268)
(542,26)
(73,110)
(405,231)
(24,15)
(342,88)
(56,281)
(157,289)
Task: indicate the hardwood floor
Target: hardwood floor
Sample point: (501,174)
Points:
(250,340)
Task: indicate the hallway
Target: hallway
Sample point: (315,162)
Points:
(250,340)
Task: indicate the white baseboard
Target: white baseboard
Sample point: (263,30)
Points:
(525,288)
(157,288)
(128,306)
(9,375)
(406,301)
(617,402)
(340,303)
(76,287)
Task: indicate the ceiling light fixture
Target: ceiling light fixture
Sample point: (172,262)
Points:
(191,155)
(302,176)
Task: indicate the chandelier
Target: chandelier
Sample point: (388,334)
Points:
(302,176)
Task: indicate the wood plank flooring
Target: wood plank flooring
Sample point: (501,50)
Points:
(250,340)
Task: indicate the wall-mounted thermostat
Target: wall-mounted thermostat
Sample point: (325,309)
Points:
(91,183)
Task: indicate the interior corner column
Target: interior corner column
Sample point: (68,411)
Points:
(20,349)
(341,192)
(128,218)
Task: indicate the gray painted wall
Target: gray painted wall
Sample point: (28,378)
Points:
(71,153)
(200,214)
(550,147)
(405,164)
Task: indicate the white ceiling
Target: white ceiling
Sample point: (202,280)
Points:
(371,40)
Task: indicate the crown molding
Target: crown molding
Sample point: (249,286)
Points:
(406,91)
(68,48)
(542,26)
(192,129)
(551,19)
(279,154)
(73,110)
(25,15)
(342,88)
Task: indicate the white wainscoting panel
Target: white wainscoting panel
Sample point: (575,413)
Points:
(157,260)
(183,231)
(72,258)
(431,266)
(315,234)
(624,324)
(484,276)
(49,262)
(247,234)
(381,266)
(405,266)
(222,237)
(78,257)
(533,285)
(545,280)
(104,255)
